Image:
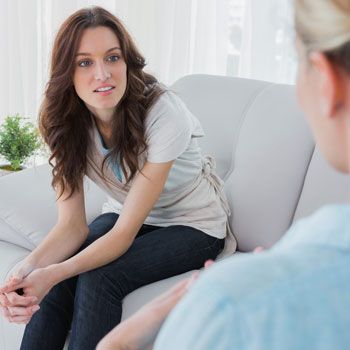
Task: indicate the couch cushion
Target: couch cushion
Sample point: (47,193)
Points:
(270,162)
(28,209)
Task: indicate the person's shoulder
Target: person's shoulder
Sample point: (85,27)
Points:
(246,274)
(328,226)
(325,233)
(254,276)
(169,111)
(332,215)
(168,101)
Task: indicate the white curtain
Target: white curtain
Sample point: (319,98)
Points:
(247,38)
(267,41)
(19,49)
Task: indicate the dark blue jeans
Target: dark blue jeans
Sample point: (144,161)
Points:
(91,304)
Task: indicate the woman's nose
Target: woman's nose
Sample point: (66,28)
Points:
(101,72)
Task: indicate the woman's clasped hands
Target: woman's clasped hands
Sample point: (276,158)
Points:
(23,291)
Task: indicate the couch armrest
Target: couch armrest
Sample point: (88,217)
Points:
(28,209)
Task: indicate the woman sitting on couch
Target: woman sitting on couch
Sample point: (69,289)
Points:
(103,116)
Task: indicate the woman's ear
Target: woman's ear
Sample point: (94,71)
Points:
(330,83)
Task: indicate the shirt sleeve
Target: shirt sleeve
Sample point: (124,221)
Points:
(169,128)
(204,320)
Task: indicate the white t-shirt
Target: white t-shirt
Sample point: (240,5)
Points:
(171,132)
(193,194)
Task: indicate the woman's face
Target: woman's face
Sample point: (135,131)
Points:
(100,75)
(314,90)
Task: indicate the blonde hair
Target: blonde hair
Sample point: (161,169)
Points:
(324,25)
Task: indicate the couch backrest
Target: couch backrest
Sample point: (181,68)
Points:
(263,147)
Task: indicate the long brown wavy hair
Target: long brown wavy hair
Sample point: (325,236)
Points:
(65,121)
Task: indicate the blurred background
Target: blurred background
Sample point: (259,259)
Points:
(244,38)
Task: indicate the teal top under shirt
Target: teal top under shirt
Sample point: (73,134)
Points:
(115,165)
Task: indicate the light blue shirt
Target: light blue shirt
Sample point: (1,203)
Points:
(293,296)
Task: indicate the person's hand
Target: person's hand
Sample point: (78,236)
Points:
(140,330)
(37,284)
(33,287)
(258,249)
(18,309)
(23,270)
(14,306)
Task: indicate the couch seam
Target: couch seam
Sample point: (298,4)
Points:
(17,231)
(248,107)
(302,186)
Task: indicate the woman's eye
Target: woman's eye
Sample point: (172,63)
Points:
(113,58)
(84,63)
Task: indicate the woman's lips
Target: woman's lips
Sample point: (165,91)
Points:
(104,93)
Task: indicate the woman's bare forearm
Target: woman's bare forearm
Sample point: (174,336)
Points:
(99,253)
(60,244)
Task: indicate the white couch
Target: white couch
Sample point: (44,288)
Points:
(264,152)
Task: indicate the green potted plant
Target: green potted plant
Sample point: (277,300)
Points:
(18,141)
